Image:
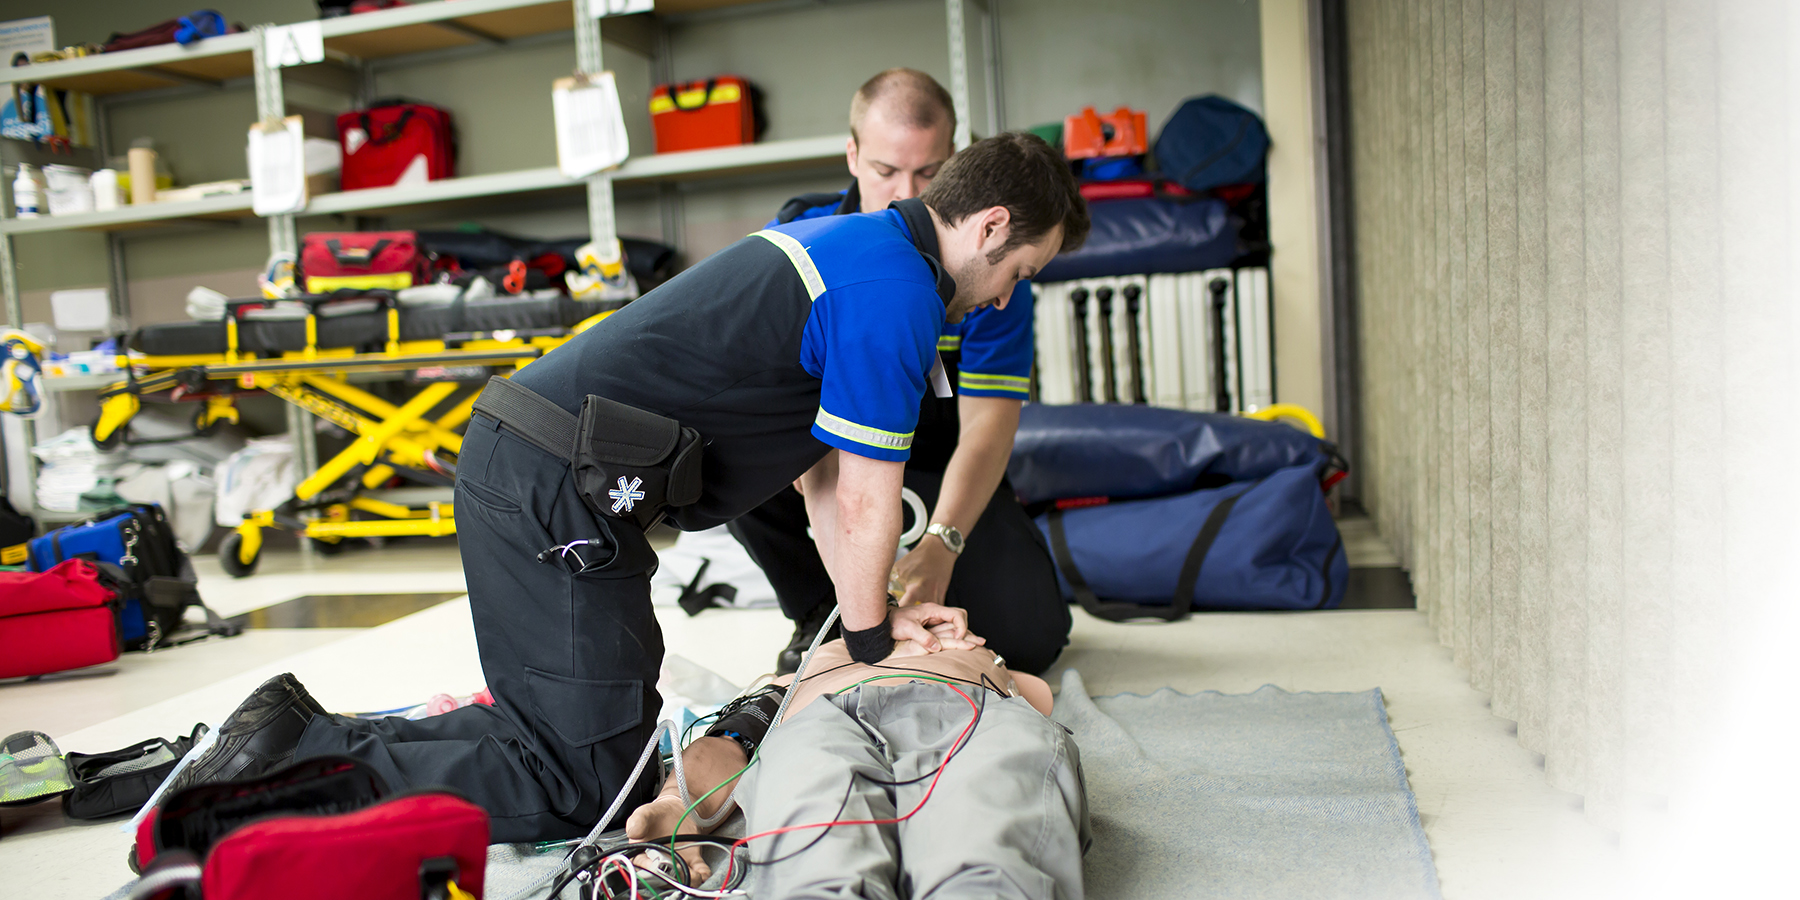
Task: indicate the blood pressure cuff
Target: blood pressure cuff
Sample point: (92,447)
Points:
(747,719)
(628,463)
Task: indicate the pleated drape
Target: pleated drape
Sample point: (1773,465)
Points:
(1575,279)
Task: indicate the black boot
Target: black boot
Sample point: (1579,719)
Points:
(804,630)
(259,737)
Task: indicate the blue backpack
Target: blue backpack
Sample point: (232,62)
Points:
(1210,141)
(1267,544)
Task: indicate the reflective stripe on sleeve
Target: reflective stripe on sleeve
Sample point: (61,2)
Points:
(975,381)
(874,437)
(950,342)
(796,254)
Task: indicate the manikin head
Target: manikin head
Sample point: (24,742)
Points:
(1003,207)
(901,122)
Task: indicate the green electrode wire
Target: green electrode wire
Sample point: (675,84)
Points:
(696,804)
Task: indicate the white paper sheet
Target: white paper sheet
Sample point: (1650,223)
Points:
(590,125)
(600,9)
(277,168)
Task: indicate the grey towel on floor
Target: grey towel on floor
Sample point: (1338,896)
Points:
(1261,795)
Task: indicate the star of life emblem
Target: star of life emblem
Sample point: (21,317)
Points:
(625,496)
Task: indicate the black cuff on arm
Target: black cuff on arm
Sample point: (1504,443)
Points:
(871,645)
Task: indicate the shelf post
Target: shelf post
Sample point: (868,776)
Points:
(271,108)
(602,229)
(959,69)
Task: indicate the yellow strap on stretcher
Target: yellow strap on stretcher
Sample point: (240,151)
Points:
(325,284)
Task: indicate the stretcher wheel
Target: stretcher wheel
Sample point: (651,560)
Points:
(229,560)
(111,441)
(328,548)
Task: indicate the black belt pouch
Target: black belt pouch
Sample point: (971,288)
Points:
(634,465)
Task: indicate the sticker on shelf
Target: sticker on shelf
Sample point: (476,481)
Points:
(590,124)
(293,45)
(600,9)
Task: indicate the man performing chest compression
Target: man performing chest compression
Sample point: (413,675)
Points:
(798,353)
(982,554)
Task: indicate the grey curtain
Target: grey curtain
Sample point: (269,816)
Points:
(1576,269)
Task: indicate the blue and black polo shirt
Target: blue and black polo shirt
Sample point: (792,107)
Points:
(987,354)
(799,338)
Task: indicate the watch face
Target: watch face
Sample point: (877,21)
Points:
(950,536)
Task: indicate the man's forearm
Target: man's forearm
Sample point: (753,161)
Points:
(983,448)
(867,533)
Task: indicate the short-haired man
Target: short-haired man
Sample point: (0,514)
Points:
(983,553)
(797,353)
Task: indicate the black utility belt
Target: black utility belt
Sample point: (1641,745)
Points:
(628,463)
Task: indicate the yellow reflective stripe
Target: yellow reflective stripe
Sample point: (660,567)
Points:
(874,437)
(997,382)
(950,342)
(796,254)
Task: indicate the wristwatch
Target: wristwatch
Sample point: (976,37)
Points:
(952,538)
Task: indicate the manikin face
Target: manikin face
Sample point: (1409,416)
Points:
(893,160)
(985,277)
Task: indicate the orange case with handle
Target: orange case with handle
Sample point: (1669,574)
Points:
(1119,133)
(716,112)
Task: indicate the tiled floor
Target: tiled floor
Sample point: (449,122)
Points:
(1496,830)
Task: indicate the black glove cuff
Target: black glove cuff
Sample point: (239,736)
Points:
(871,645)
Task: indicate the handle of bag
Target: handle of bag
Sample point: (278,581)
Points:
(675,95)
(174,869)
(356,256)
(1180,605)
(394,129)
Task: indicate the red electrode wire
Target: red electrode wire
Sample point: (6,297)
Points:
(732,861)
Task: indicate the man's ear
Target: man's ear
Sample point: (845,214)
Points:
(996,224)
(850,154)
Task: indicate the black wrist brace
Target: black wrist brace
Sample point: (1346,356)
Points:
(871,645)
(747,719)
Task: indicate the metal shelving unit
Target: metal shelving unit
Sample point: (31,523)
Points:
(352,43)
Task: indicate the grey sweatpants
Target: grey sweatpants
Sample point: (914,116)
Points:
(1008,817)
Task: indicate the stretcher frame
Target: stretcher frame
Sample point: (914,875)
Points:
(329,504)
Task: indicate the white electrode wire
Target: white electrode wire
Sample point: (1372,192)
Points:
(593,838)
(668,726)
(725,805)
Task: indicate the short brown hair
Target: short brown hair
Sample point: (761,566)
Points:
(1020,172)
(915,97)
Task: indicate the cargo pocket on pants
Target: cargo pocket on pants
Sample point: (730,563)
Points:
(584,712)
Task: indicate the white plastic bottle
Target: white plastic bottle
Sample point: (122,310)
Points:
(28,195)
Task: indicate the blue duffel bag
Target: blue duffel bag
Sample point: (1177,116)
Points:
(1147,236)
(1267,544)
(1124,452)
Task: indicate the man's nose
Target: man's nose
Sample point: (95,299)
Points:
(908,189)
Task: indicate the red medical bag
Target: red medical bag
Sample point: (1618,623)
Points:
(65,618)
(322,827)
(389,138)
(365,260)
(717,112)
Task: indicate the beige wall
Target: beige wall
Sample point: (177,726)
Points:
(1293,203)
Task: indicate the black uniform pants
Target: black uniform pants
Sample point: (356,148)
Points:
(570,656)
(1004,578)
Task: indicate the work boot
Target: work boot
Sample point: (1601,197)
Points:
(804,631)
(258,738)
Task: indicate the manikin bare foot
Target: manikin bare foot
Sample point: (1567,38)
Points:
(708,761)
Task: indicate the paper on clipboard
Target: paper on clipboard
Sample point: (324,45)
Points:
(277,167)
(590,125)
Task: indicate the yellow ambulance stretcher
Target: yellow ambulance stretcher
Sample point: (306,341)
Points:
(308,351)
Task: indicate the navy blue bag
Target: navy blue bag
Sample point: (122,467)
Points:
(1210,141)
(1125,452)
(158,577)
(1268,544)
(1150,235)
